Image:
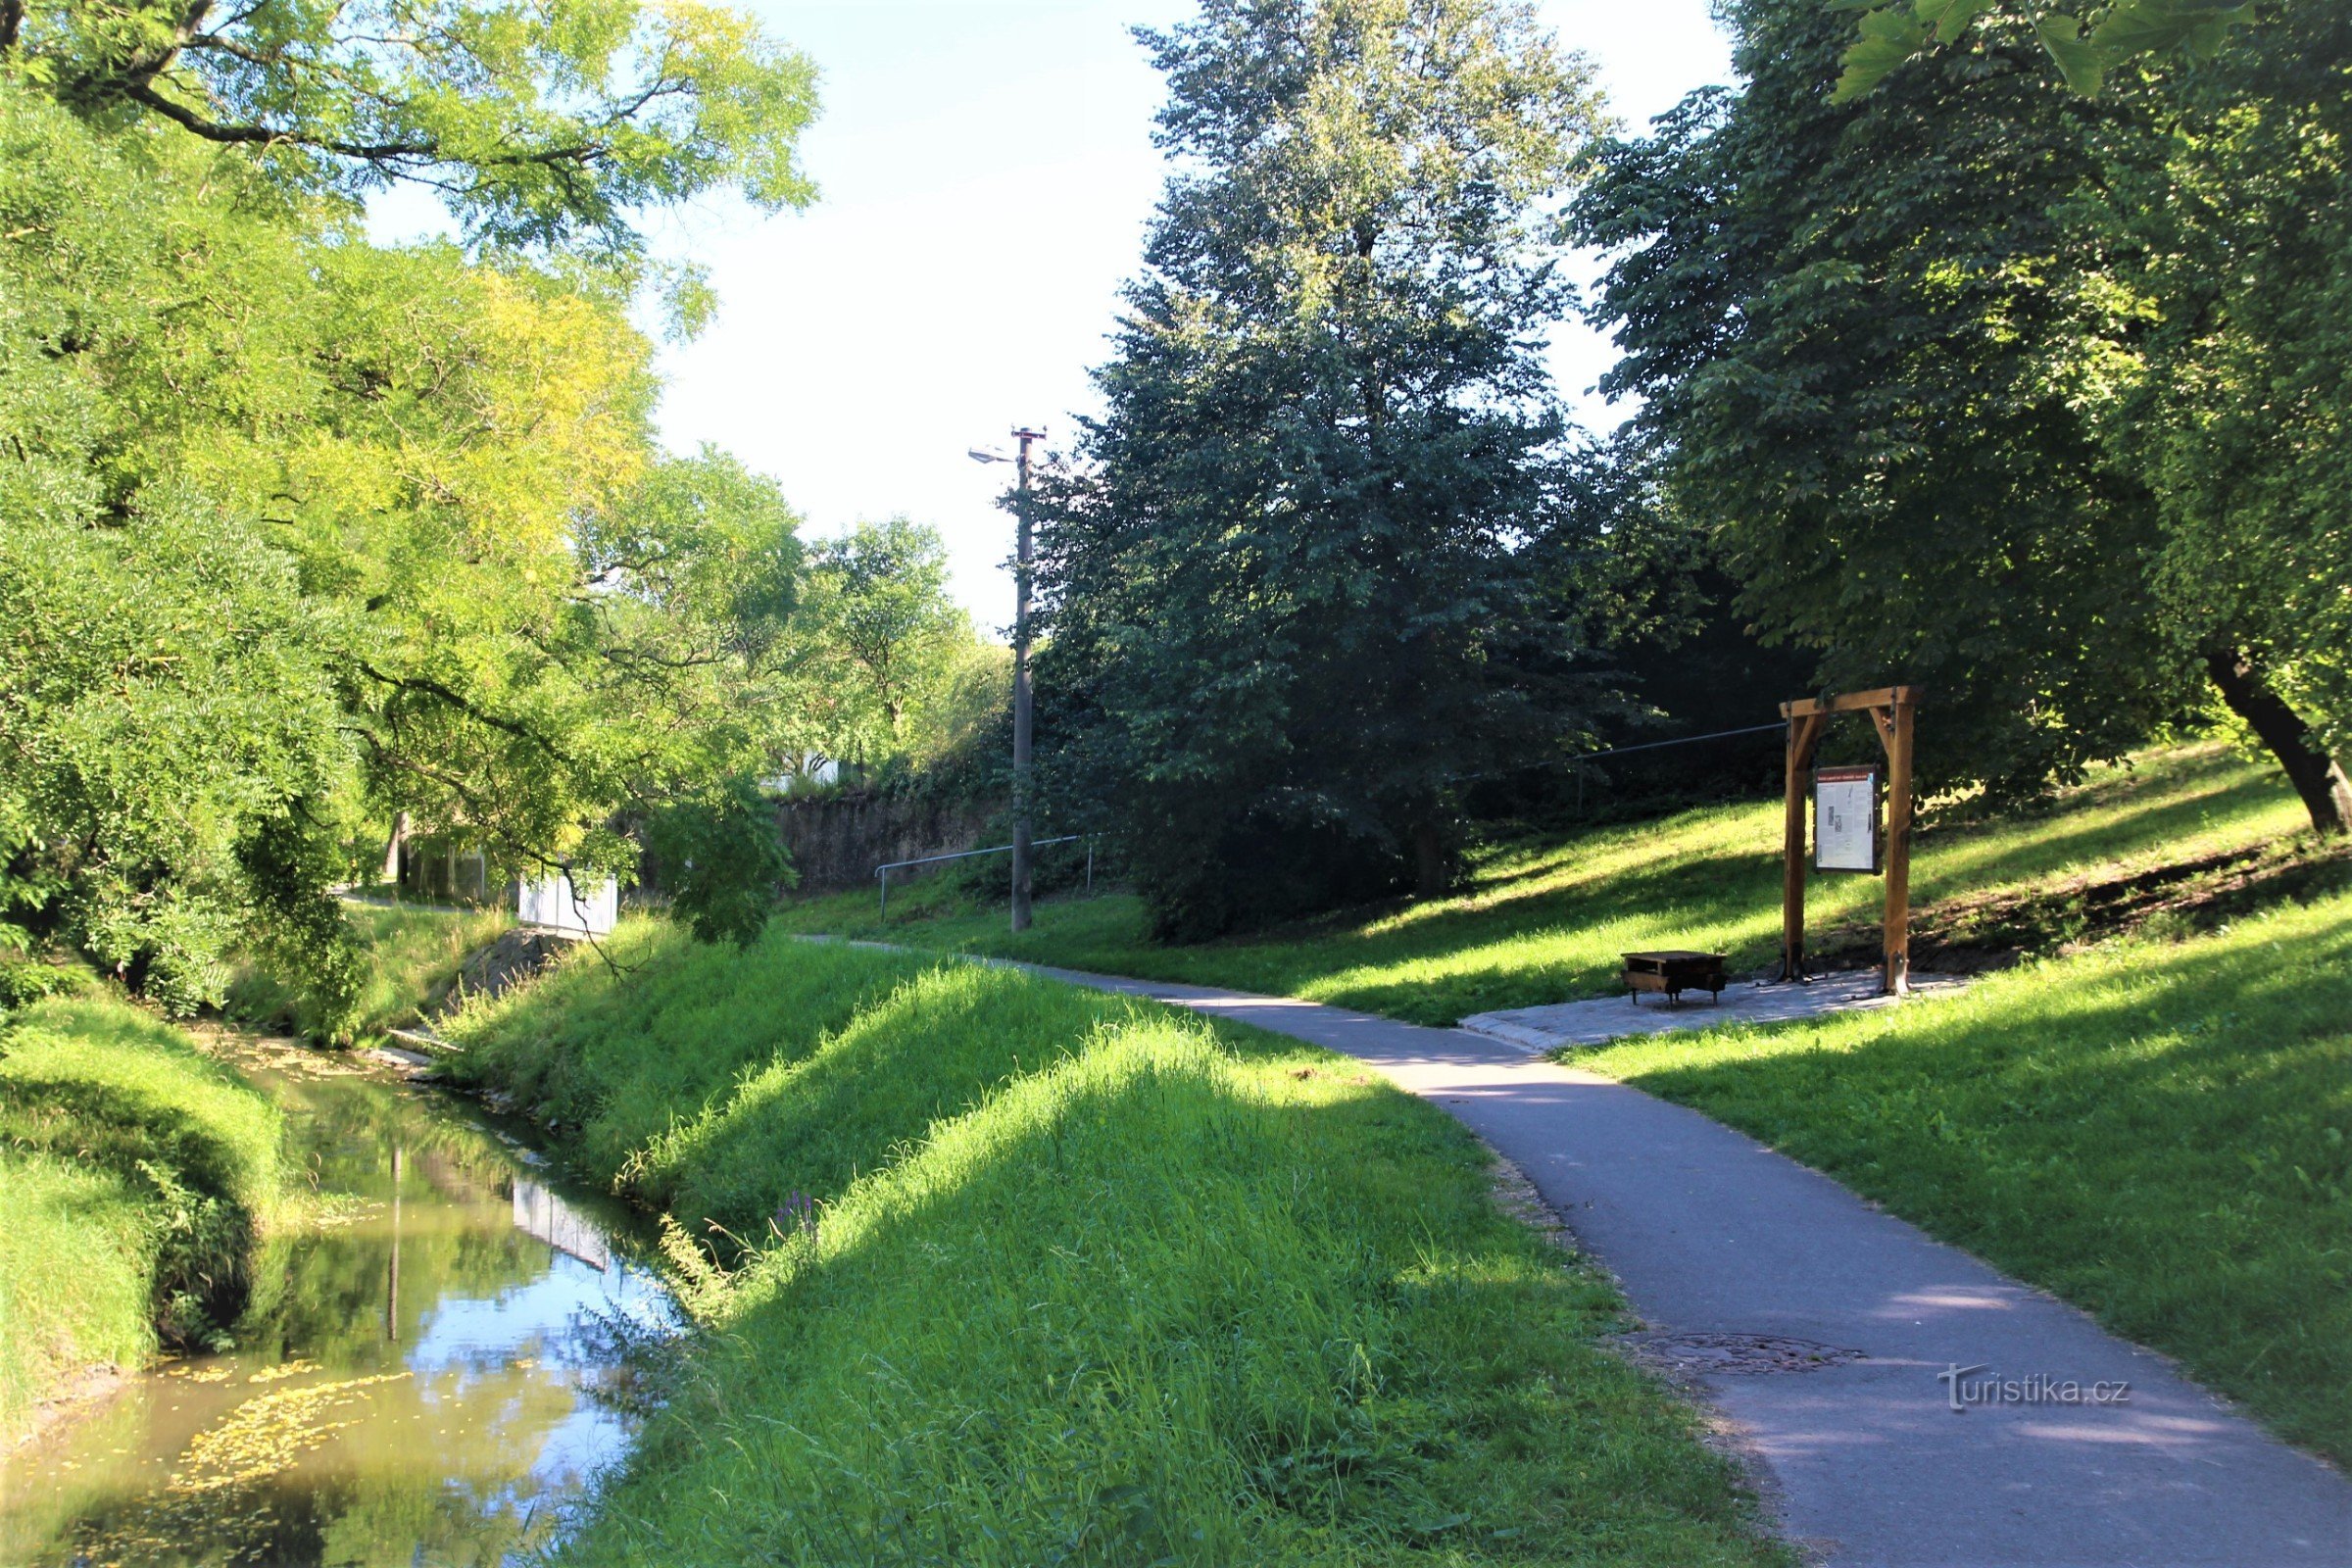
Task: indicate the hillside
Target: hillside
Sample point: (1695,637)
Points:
(1544,920)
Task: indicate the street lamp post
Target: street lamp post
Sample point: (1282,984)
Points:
(1021,575)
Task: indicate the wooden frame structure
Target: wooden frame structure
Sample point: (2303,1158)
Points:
(1890,710)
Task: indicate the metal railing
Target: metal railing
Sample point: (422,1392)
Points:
(882,872)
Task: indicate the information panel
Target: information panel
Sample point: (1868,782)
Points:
(1845,819)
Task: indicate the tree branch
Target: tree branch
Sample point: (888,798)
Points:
(144,93)
(269,135)
(464,704)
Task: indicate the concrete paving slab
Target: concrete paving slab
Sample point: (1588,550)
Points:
(1867,1462)
(1598,1021)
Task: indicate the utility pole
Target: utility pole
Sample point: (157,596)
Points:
(1022,569)
(1023,564)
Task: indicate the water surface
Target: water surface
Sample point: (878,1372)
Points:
(429,1372)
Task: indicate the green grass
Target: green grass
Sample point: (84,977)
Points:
(413,951)
(134,1172)
(1093,1282)
(1546,921)
(2159,1132)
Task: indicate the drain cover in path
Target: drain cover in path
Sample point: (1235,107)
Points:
(1735,1354)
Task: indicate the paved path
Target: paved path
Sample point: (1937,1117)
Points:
(1603,1018)
(1712,1233)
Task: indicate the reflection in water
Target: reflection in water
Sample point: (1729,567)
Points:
(541,1213)
(417,1377)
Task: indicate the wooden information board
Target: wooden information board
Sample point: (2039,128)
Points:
(1892,710)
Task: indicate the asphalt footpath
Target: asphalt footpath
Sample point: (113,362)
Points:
(1946,1415)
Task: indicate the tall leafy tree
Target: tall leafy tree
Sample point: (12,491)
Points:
(2243,424)
(297,531)
(879,601)
(1880,345)
(2024,394)
(1302,573)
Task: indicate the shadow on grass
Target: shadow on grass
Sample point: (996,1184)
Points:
(1149,1302)
(107,1088)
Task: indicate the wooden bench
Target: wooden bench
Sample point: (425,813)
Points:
(1674,971)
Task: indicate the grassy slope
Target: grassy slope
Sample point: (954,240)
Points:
(2161,1132)
(1546,922)
(134,1170)
(1093,1282)
(414,953)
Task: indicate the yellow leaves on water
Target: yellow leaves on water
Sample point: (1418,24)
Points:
(269,1432)
(260,1437)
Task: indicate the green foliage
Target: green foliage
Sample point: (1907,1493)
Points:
(1308,571)
(134,1175)
(302,933)
(1059,1277)
(25,982)
(2124,30)
(2161,1133)
(2243,421)
(538,124)
(410,956)
(2029,399)
(887,665)
(725,860)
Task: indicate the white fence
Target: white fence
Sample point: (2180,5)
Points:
(554,903)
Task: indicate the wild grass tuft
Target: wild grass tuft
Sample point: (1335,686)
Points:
(413,952)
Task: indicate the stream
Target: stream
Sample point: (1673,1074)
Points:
(430,1370)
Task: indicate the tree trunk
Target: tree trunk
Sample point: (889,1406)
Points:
(2316,777)
(399,836)
(1432,869)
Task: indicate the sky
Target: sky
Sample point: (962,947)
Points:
(985,171)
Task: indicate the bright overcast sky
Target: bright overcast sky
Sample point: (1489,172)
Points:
(986,171)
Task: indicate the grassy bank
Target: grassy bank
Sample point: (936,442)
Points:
(2158,1131)
(1545,920)
(133,1174)
(413,953)
(1036,1275)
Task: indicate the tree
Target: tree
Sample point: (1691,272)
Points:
(2028,397)
(2242,418)
(879,598)
(1300,579)
(1880,345)
(297,532)
(544,123)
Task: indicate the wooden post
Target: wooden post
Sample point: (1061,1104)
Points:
(1803,731)
(1898,739)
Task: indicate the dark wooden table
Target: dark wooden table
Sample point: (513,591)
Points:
(1675,971)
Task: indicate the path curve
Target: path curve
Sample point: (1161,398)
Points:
(1710,1232)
